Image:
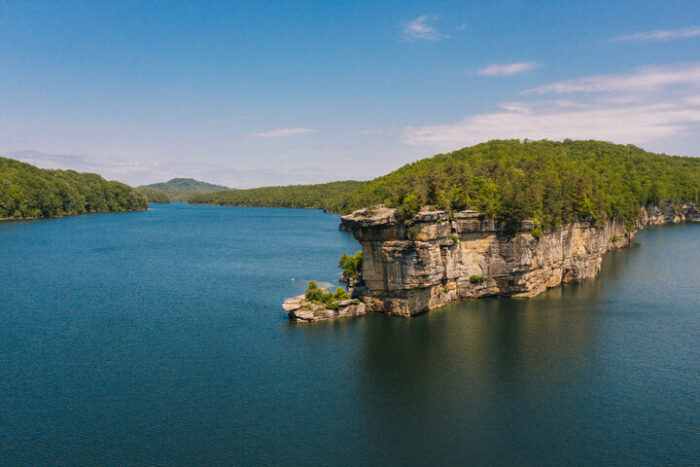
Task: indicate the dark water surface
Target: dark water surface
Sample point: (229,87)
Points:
(158,337)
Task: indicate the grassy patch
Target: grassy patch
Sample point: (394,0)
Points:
(478,279)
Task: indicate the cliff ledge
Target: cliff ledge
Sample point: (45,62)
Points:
(435,259)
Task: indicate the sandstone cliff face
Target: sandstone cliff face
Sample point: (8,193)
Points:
(437,260)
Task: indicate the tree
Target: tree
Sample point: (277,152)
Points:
(351,265)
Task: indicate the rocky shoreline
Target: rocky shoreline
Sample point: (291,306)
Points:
(304,311)
(435,259)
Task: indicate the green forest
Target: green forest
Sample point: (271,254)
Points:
(546,181)
(508,180)
(328,196)
(30,192)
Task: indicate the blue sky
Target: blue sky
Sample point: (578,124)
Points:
(271,93)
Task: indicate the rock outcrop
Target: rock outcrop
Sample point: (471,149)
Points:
(436,260)
(302,310)
(669,214)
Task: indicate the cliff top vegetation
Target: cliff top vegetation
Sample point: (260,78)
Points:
(550,182)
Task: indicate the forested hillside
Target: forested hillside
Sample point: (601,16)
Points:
(546,181)
(329,196)
(550,182)
(30,192)
(181,189)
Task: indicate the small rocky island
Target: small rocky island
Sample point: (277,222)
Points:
(318,304)
(436,258)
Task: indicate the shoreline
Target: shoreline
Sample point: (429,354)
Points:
(68,214)
(441,258)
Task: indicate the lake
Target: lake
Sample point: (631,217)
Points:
(157,337)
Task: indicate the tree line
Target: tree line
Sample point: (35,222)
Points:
(328,196)
(545,181)
(30,192)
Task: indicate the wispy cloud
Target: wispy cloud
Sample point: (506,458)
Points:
(637,108)
(660,35)
(640,80)
(284,132)
(553,120)
(508,69)
(420,29)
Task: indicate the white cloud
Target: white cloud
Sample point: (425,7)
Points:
(639,107)
(641,80)
(508,69)
(284,132)
(419,29)
(660,35)
(638,124)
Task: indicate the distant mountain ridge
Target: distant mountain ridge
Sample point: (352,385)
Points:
(178,189)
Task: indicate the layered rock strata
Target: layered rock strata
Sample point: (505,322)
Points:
(410,268)
(304,311)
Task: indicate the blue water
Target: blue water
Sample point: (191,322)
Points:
(158,338)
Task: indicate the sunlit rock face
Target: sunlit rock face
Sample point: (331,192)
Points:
(436,260)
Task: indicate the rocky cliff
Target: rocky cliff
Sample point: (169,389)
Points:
(435,259)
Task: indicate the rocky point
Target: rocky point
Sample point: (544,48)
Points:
(435,259)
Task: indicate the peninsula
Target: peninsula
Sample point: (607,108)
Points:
(507,218)
(439,258)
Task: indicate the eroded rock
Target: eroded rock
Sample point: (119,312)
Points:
(433,261)
(304,311)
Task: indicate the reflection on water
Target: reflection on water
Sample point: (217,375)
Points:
(492,337)
(525,380)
